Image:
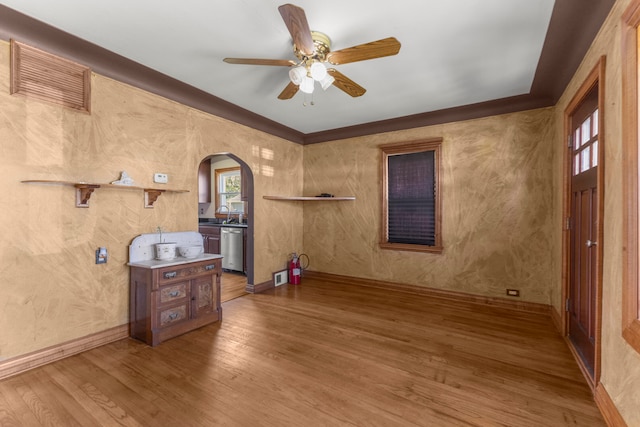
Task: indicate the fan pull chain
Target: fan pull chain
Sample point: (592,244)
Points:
(304,103)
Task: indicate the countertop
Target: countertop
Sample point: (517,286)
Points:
(142,251)
(159,263)
(214,224)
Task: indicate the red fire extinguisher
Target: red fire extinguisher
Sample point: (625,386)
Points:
(294,269)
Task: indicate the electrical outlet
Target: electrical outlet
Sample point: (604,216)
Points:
(280,278)
(513,292)
(101,256)
(160,178)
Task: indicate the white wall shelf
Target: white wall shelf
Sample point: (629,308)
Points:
(302,198)
(85,189)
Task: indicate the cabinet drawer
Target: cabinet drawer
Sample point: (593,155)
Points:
(210,230)
(172,274)
(171,293)
(172,315)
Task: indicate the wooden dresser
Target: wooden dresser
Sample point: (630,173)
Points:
(170,298)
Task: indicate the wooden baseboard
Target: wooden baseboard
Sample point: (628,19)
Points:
(28,361)
(557,319)
(260,287)
(581,365)
(608,408)
(439,293)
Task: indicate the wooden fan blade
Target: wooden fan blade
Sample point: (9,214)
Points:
(288,91)
(296,22)
(377,49)
(345,84)
(254,61)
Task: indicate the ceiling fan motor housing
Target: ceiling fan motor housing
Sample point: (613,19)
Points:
(322,45)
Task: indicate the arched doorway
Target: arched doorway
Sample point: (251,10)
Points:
(209,210)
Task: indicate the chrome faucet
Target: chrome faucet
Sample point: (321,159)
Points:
(228,211)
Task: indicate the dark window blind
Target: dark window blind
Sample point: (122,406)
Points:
(411,198)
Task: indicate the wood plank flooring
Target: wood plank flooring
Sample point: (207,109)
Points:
(320,354)
(232,285)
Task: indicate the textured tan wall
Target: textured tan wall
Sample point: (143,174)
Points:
(620,363)
(502,180)
(51,290)
(496,183)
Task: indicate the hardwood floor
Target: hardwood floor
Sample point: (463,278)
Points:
(232,285)
(320,354)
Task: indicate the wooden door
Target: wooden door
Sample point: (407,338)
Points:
(583,273)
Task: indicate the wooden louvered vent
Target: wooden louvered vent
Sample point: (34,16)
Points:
(41,75)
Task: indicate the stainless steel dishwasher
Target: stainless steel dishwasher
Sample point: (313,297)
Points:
(231,248)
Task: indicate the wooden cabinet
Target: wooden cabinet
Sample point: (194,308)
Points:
(210,239)
(170,301)
(204,182)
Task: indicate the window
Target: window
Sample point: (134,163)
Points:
(411,196)
(631,177)
(228,190)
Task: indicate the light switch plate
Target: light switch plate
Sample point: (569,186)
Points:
(161,178)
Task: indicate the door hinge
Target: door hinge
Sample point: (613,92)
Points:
(567,223)
(570,141)
(566,304)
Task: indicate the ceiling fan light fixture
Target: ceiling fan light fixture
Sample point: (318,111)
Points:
(307,85)
(297,74)
(318,71)
(313,50)
(327,81)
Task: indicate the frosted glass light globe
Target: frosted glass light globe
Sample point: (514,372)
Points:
(306,85)
(297,74)
(318,71)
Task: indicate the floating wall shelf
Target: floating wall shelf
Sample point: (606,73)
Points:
(85,189)
(301,198)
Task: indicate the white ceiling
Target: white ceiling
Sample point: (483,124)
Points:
(454,52)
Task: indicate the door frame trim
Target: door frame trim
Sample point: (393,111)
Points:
(596,76)
(249,191)
(630,276)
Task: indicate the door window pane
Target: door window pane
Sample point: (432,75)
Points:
(586,131)
(586,159)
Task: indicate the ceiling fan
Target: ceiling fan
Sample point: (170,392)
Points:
(313,50)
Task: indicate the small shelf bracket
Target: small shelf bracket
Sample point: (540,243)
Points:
(83,194)
(150,196)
